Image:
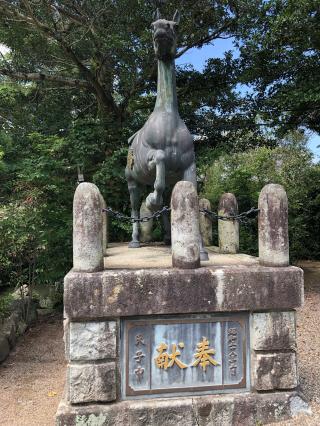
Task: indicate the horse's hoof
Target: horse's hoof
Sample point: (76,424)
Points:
(204,255)
(134,244)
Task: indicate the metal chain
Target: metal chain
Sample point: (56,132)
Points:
(241,217)
(130,219)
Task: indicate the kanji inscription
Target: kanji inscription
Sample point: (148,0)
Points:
(177,355)
(166,360)
(204,355)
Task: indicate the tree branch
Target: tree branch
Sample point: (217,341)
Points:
(75,18)
(204,40)
(39,76)
(139,84)
(104,98)
(10,11)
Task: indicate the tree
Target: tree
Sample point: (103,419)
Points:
(80,78)
(280,57)
(289,164)
(97,46)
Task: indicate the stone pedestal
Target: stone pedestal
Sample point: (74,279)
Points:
(101,306)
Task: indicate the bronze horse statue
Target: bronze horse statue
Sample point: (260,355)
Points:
(161,153)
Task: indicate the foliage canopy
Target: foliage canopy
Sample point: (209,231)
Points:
(80,78)
(289,164)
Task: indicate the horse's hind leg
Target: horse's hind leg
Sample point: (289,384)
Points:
(134,191)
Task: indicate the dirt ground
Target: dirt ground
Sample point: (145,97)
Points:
(32,378)
(308,340)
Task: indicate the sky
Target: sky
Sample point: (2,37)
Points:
(198,58)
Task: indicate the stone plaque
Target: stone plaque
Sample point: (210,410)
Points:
(175,355)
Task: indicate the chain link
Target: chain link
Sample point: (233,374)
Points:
(241,217)
(130,219)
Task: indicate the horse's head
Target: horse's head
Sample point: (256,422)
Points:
(165,36)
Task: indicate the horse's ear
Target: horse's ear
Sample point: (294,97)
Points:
(176,17)
(157,15)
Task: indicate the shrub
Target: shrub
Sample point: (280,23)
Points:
(6,301)
(290,165)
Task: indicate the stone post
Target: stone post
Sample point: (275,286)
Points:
(87,228)
(145,227)
(205,222)
(273,226)
(228,230)
(185,231)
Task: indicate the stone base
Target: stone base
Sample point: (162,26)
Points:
(223,410)
(100,306)
(16,324)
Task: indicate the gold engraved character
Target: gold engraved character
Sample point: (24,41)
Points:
(174,357)
(165,360)
(203,355)
(162,360)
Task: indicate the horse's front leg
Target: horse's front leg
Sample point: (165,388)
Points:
(190,175)
(134,191)
(154,200)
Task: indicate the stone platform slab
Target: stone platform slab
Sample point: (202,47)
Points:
(228,288)
(158,255)
(223,410)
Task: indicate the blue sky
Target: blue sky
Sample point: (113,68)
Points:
(198,58)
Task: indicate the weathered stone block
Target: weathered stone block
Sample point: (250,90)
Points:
(92,340)
(45,312)
(228,230)
(175,291)
(32,314)
(274,371)
(66,338)
(92,383)
(4,348)
(185,230)
(88,248)
(247,409)
(145,227)
(162,413)
(22,327)
(273,226)
(219,412)
(273,331)
(9,330)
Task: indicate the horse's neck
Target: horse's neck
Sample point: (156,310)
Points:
(166,90)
